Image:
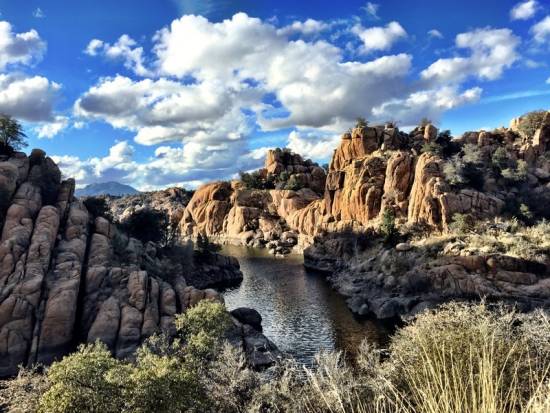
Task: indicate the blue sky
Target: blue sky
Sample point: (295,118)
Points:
(178,92)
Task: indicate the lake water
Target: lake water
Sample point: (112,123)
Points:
(301,313)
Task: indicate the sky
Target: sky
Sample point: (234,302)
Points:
(161,93)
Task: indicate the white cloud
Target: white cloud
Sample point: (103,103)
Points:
(50,129)
(524,10)
(491,51)
(94,47)
(19,48)
(371,9)
(308,27)
(28,98)
(380,38)
(436,34)
(548,81)
(124,49)
(427,103)
(38,13)
(313,144)
(541,30)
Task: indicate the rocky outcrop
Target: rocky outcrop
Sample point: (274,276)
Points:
(374,169)
(390,282)
(68,278)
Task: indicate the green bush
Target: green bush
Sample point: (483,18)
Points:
(149,225)
(361,122)
(388,229)
(461,223)
(255,180)
(431,147)
(80,383)
(97,207)
(517,173)
(530,122)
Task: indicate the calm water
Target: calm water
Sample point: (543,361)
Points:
(301,313)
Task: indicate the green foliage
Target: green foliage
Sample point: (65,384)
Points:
(97,207)
(461,223)
(22,394)
(361,122)
(530,122)
(388,229)
(471,154)
(80,383)
(255,180)
(500,159)
(464,169)
(149,225)
(293,184)
(431,147)
(517,173)
(12,137)
(207,316)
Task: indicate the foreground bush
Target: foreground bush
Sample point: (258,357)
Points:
(462,358)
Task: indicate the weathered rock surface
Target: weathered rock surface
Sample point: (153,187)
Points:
(67,278)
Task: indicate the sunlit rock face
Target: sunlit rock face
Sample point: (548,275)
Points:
(67,278)
(372,170)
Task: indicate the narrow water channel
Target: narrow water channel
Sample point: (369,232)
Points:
(301,313)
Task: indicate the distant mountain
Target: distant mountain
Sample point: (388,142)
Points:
(106,188)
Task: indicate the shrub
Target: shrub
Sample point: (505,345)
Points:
(517,173)
(500,159)
(255,180)
(149,225)
(97,207)
(12,137)
(461,223)
(293,184)
(453,171)
(388,228)
(80,383)
(361,122)
(530,122)
(431,147)
(22,394)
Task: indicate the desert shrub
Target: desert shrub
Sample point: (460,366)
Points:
(80,383)
(530,122)
(22,394)
(516,173)
(293,184)
(387,228)
(471,358)
(255,180)
(500,159)
(461,223)
(465,170)
(431,147)
(453,171)
(148,225)
(97,207)
(471,154)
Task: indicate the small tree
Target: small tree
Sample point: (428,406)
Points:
(149,225)
(530,122)
(388,228)
(97,207)
(361,122)
(12,137)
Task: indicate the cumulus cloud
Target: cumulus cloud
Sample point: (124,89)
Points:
(210,85)
(541,30)
(524,10)
(380,38)
(125,49)
(19,48)
(491,51)
(548,81)
(50,129)
(28,98)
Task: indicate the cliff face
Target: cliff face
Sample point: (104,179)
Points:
(66,278)
(372,170)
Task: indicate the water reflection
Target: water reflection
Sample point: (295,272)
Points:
(300,312)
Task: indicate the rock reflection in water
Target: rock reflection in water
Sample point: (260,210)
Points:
(300,312)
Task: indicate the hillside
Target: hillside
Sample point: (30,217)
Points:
(106,188)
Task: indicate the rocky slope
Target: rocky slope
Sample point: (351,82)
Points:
(67,277)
